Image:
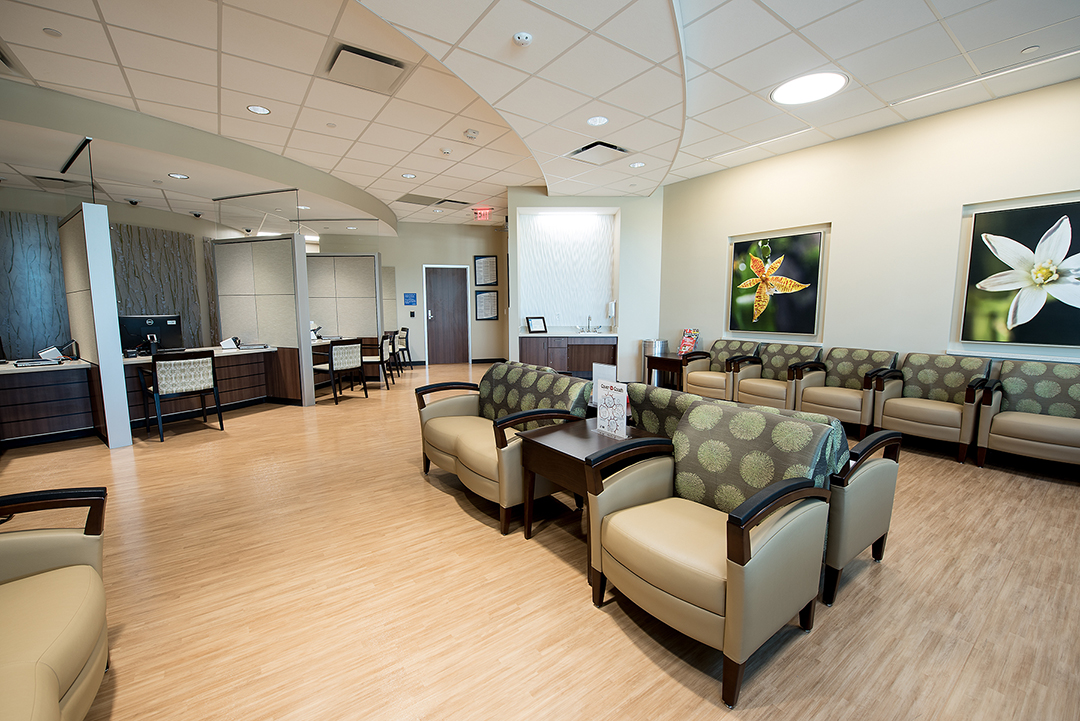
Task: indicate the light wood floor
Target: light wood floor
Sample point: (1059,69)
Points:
(299,565)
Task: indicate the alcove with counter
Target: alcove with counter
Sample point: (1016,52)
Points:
(569,353)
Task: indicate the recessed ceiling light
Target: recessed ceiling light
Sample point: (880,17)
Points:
(410,176)
(350,227)
(303,207)
(178,176)
(597,120)
(259,110)
(436,210)
(52,31)
(158,182)
(1029,49)
(809,88)
(331,125)
(637,165)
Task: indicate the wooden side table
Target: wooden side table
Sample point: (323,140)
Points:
(665,363)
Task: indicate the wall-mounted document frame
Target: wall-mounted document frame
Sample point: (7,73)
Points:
(487,304)
(486,270)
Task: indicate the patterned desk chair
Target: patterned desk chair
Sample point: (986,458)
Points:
(343,358)
(769,378)
(177,375)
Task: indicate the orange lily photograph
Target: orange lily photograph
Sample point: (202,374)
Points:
(774,285)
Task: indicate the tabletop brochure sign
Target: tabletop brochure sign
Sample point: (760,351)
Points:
(611,409)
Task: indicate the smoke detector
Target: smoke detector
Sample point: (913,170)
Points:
(472,134)
(522,39)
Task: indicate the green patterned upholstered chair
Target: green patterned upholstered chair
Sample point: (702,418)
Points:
(842,385)
(179,375)
(344,359)
(769,378)
(1032,409)
(474,435)
(933,396)
(723,540)
(707,373)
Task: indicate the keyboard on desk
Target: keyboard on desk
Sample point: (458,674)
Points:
(252,346)
(31,362)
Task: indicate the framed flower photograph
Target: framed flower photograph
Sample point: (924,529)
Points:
(1023,282)
(775,283)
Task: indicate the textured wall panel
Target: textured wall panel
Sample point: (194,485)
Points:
(34,312)
(566,265)
(238,318)
(324,311)
(321,282)
(211,290)
(155,274)
(235,268)
(277,319)
(273,261)
(355,277)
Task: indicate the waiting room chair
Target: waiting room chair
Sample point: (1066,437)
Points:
(768,379)
(933,396)
(842,385)
(374,353)
(54,641)
(178,375)
(390,341)
(343,359)
(708,373)
(402,345)
(724,539)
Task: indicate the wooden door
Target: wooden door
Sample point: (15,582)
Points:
(447,300)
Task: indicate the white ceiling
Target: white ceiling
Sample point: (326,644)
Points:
(684,83)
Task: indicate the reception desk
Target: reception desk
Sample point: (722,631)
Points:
(45,402)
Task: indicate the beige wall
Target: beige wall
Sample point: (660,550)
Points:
(637,266)
(419,244)
(896,200)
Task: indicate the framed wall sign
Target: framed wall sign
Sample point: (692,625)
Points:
(486,269)
(487,305)
(536,324)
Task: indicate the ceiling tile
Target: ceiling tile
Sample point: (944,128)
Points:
(469,172)
(437,90)
(76,72)
(185,116)
(630,184)
(695,132)
(718,143)
(594,66)
(344,99)
(693,69)
(424,165)
(437,18)
(1050,73)
(262,79)
(509,179)
(375,154)
(165,57)
(643,135)
(316,121)
(567,187)
(918,48)
(1051,40)
(603,176)
(775,127)
(481,110)
(456,127)
(82,8)
(943,102)
(693,9)
(1003,19)
(556,141)
(362,28)
(22,25)
(362,167)
(315,142)
(320,161)
(269,41)
(458,150)
(590,14)
(236,104)
(521,125)
(780,60)
(674,117)
(800,12)
(509,143)
(274,148)
(435,48)
(190,22)
(173,91)
(411,116)
(867,23)
(738,114)
(851,102)
(392,137)
(750,155)
(656,90)
(577,120)
(564,167)
(862,123)
(493,159)
(493,35)
(485,190)
(729,31)
(490,79)
(647,27)
(542,101)
(123,101)
(709,91)
(952,7)
(316,15)
(360,181)
(250,130)
(920,80)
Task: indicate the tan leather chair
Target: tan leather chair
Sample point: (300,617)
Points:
(375,353)
(474,435)
(401,345)
(842,386)
(1032,409)
(178,375)
(707,373)
(769,378)
(933,396)
(718,541)
(54,641)
(344,358)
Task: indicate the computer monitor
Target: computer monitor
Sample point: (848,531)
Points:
(136,329)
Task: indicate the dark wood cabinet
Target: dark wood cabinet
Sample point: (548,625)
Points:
(574,354)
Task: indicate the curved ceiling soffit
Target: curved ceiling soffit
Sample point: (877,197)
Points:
(41,107)
(585,60)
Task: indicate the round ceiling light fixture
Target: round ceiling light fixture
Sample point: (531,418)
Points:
(1029,49)
(638,164)
(179,176)
(258,109)
(53,32)
(408,176)
(436,210)
(809,88)
(350,227)
(597,120)
(303,207)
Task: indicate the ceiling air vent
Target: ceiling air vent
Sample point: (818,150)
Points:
(61,183)
(427,200)
(452,203)
(368,70)
(599,153)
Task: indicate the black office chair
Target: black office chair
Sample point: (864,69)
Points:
(343,358)
(178,375)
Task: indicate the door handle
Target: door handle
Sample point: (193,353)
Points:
(430,316)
